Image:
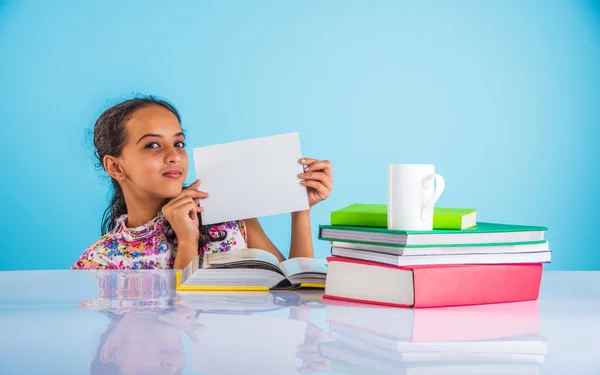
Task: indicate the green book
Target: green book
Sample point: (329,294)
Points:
(354,364)
(479,235)
(375,215)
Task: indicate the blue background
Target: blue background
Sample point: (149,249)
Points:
(504,98)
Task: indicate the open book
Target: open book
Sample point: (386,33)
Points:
(251,269)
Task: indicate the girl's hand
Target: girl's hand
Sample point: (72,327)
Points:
(317,177)
(182,214)
(309,351)
(184,319)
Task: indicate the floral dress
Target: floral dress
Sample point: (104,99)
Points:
(147,246)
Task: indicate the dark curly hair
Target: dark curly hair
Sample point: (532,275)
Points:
(109,139)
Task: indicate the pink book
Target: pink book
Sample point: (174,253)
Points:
(457,323)
(431,286)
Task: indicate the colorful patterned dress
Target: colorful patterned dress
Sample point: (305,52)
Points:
(147,246)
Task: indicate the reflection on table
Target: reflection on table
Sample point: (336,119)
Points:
(146,327)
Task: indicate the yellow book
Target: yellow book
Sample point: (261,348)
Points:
(250,270)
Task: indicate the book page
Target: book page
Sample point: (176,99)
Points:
(240,256)
(250,179)
(296,266)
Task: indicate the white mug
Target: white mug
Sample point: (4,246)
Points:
(411,196)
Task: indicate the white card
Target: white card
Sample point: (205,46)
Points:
(251,178)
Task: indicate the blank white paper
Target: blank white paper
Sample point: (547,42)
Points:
(251,178)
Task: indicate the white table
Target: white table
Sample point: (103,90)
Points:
(118,322)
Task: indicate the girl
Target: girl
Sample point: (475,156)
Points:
(152,221)
(145,342)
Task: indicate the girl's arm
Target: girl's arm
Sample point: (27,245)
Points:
(186,252)
(258,239)
(301,243)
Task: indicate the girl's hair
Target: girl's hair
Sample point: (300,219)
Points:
(109,139)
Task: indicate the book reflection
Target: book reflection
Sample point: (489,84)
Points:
(485,339)
(225,332)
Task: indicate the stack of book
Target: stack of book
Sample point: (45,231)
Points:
(459,262)
(484,339)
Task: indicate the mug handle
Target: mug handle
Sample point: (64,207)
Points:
(439,189)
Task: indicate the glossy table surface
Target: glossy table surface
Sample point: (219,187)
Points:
(134,323)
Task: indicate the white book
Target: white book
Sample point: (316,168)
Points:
(513,349)
(347,359)
(445,250)
(251,178)
(434,259)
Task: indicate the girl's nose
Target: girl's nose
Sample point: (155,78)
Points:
(173,156)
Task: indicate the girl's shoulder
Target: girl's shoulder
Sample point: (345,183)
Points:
(144,247)
(234,233)
(96,256)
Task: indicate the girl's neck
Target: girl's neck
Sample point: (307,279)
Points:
(141,211)
(128,321)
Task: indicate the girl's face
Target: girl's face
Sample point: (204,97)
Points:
(153,161)
(145,346)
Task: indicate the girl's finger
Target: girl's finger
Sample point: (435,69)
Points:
(318,176)
(320,365)
(308,356)
(194,194)
(196,327)
(307,161)
(319,187)
(186,205)
(177,201)
(193,186)
(198,208)
(192,335)
(307,348)
(323,165)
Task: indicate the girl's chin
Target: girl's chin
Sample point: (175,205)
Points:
(170,193)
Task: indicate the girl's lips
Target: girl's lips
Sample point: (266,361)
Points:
(172,174)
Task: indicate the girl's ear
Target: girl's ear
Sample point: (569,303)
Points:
(113,168)
(110,350)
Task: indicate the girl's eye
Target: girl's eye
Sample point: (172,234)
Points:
(152,145)
(180,144)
